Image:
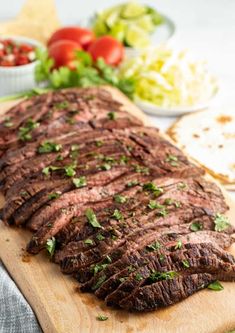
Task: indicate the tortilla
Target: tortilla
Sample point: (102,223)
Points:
(37,20)
(209,138)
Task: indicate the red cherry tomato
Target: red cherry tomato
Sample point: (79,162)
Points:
(108,48)
(63,52)
(82,36)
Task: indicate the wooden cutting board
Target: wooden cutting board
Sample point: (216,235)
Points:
(61,308)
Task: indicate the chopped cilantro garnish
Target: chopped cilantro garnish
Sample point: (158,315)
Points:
(123,159)
(178,245)
(50,245)
(138,277)
(54,195)
(100,281)
(62,105)
(132,183)
(196,226)
(111,115)
(88,241)
(216,286)
(120,198)
(102,317)
(181,186)
(173,160)
(99,143)
(117,215)
(100,237)
(80,182)
(152,204)
(48,147)
(70,170)
(185,263)
(221,222)
(153,247)
(46,171)
(25,132)
(7,122)
(91,217)
(158,276)
(141,169)
(105,167)
(151,187)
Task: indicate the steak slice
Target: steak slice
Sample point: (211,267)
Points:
(167,292)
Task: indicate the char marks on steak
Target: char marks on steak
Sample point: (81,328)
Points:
(129,215)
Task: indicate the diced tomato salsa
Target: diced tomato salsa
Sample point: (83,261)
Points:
(14,53)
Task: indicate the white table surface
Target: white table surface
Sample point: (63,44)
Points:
(206,27)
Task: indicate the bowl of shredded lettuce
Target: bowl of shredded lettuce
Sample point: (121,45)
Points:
(169,82)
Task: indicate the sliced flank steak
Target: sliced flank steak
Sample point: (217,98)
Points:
(115,203)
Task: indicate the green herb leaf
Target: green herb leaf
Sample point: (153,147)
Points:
(178,245)
(153,247)
(221,222)
(100,237)
(62,105)
(123,159)
(48,147)
(54,195)
(111,115)
(100,281)
(182,186)
(138,277)
(117,215)
(141,169)
(162,211)
(185,263)
(91,217)
(123,279)
(25,132)
(170,201)
(132,183)
(80,182)
(151,187)
(84,57)
(158,276)
(216,286)
(105,167)
(70,170)
(99,143)
(7,122)
(120,199)
(102,317)
(173,160)
(196,226)
(88,241)
(152,204)
(50,245)
(46,171)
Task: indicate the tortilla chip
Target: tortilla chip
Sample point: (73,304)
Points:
(37,20)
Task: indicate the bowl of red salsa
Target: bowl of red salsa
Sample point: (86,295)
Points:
(17,64)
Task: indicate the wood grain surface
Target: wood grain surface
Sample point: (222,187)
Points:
(61,308)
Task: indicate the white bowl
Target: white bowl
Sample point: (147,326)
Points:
(153,109)
(18,78)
